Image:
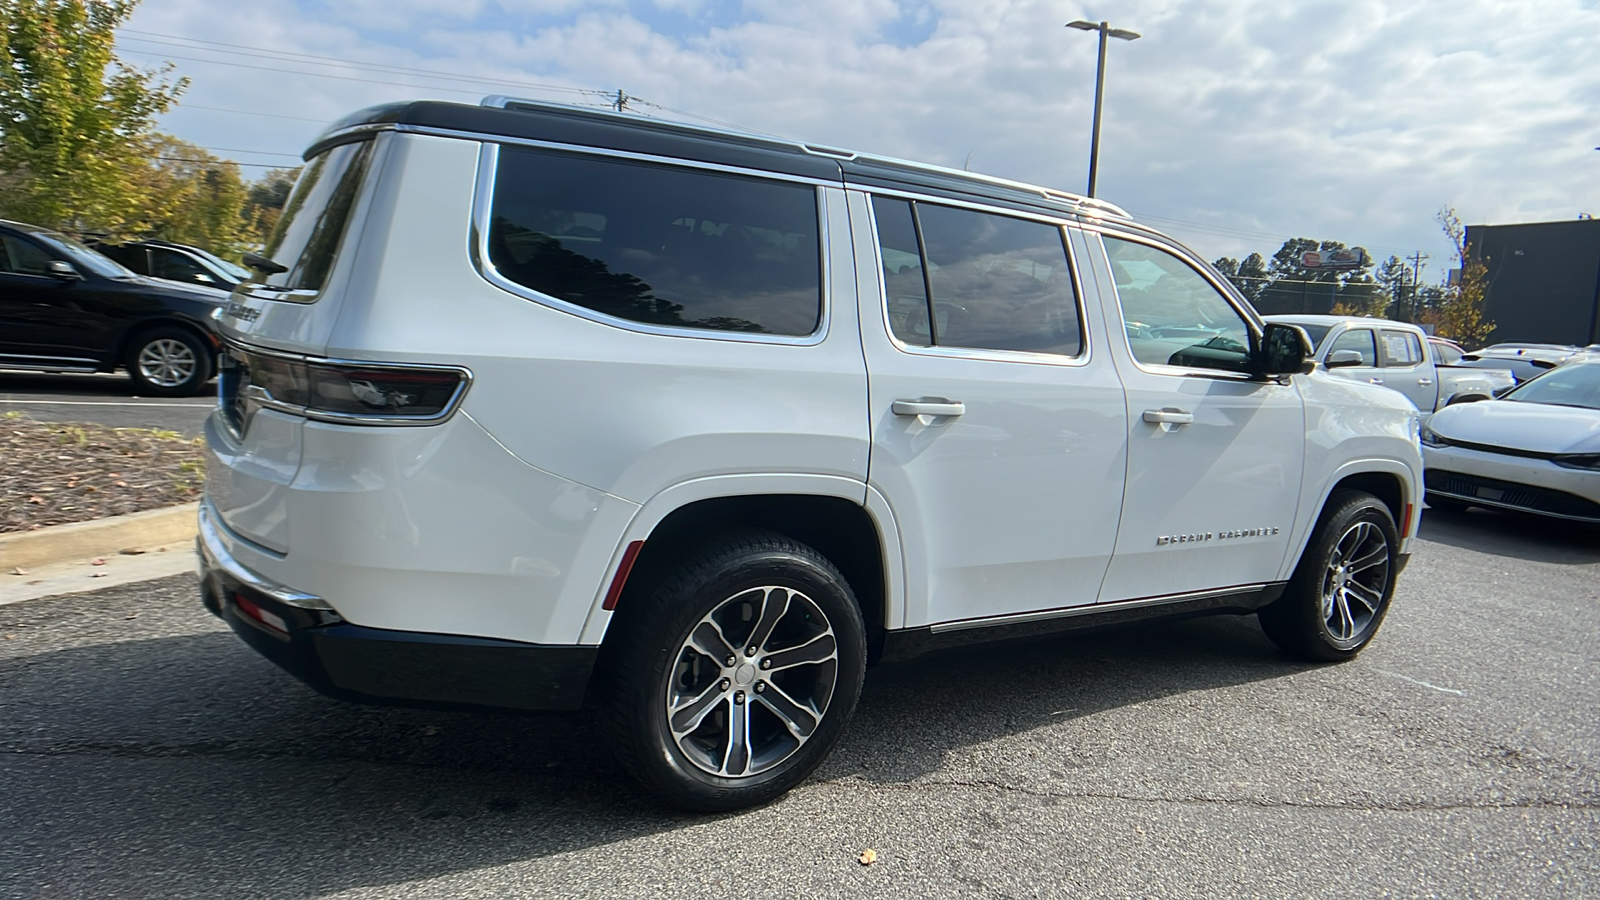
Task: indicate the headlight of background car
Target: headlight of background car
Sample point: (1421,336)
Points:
(1589,462)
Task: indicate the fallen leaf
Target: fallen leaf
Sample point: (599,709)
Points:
(18,570)
(869,856)
(131,616)
(98,575)
(36,499)
(98,562)
(131,551)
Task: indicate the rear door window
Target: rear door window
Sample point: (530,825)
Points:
(174,266)
(659,245)
(306,238)
(963,278)
(1401,349)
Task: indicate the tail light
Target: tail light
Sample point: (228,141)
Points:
(359,393)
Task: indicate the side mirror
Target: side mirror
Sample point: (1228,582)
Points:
(60,268)
(1340,359)
(1284,350)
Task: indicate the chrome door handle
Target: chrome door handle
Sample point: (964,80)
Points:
(929,406)
(1375,381)
(1424,381)
(1168,416)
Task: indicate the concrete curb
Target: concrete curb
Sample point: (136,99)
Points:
(172,527)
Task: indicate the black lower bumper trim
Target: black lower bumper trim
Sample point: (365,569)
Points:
(402,668)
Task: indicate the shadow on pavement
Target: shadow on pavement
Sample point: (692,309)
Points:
(68,387)
(1532,538)
(187,765)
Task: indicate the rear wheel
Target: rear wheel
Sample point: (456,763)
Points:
(731,679)
(168,362)
(1341,589)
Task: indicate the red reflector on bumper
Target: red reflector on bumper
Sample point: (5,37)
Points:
(271,620)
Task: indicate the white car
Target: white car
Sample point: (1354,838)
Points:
(537,405)
(1535,450)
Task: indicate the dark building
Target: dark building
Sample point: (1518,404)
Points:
(1544,280)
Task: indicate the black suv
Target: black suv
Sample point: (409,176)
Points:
(67,308)
(176,262)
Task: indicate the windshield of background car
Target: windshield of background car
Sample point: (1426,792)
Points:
(1573,385)
(306,238)
(93,260)
(1315,332)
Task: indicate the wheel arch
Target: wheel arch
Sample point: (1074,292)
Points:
(144,326)
(1395,485)
(835,516)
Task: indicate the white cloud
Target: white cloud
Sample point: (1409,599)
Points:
(1253,120)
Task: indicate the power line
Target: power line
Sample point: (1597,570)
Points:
(313,59)
(206,161)
(248,112)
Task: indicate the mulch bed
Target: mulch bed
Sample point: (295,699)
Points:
(52,473)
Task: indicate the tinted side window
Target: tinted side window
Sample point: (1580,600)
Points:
(1401,348)
(23,258)
(177,267)
(132,257)
(1172,315)
(306,238)
(1360,340)
(996,282)
(659,245)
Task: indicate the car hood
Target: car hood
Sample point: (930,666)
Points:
(1535,427)
(197,292)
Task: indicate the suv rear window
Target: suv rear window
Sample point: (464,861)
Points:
(307,236)
(659,245)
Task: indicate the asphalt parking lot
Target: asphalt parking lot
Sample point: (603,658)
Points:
(145,752)
(102,399)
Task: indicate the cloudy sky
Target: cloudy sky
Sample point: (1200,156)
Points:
(1231,125)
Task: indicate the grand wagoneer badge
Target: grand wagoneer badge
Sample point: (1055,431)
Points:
(1202,536)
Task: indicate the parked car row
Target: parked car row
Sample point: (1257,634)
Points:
(66,307)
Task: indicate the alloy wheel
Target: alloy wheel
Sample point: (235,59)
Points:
(752,682)
(167,362)
(1357,580)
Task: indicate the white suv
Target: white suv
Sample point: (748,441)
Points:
(537,406)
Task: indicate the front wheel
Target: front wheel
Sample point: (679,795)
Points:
(731,679)
(1341,589)
(168,362)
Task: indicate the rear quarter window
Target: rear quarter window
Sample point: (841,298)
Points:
(659,245)
(307,236)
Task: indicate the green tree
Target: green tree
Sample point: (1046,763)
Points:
(73,118)
(192,197)
(1459,313)
(1291,287)
(1249,276)
(268,195)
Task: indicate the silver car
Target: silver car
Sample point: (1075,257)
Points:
(1534,450)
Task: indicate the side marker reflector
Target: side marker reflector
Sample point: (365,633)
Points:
(614,593)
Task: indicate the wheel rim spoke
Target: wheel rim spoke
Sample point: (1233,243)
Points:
(708,639)
(820,649)
(1374,557)
(737,759)
(167,362)
(774,604)
(800,721)
(1364,595)
(688,716)
(1357,580)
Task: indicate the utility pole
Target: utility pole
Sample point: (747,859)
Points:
(620,102)
(1416,281)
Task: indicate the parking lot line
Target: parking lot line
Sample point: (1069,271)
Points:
(109,403)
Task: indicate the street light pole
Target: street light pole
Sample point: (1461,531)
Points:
(1106,31)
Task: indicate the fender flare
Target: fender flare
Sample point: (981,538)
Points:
(1410,496)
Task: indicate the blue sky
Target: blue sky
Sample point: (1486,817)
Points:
(1232,125)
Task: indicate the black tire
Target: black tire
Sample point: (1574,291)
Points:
(1448,504)
(1343,584)
(168,362)
(652,661)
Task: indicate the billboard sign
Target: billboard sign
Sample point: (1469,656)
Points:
(1353,258)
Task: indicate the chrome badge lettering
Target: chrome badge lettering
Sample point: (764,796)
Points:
(1203,536)
(240,311)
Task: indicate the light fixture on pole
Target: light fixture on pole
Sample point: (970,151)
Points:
(1106,31)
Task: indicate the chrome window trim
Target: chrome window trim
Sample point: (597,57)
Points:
(482,210)
(489,139)
(265,400)
(1084,356)
(346,136)
(1089,609)
(1252,319)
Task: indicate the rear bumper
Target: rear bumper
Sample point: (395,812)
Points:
(376,665)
